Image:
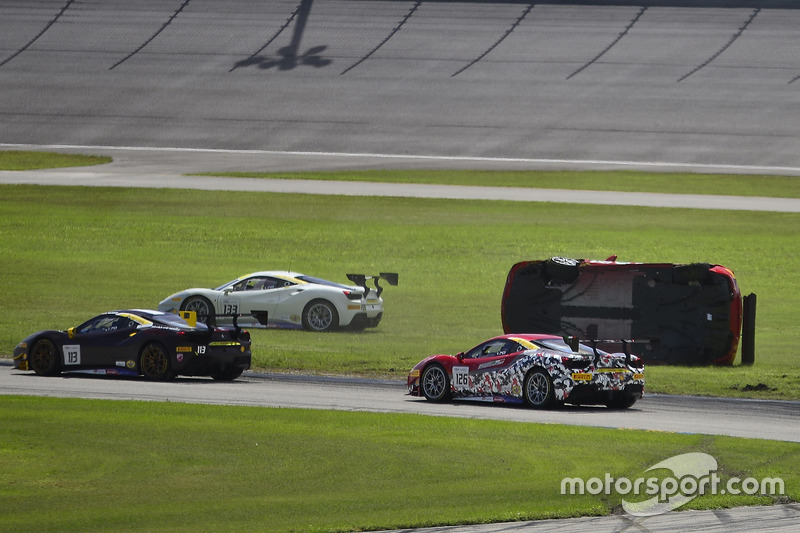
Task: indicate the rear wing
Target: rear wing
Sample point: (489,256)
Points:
(573,343)
(361,280)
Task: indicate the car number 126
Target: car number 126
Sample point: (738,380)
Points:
(460,377)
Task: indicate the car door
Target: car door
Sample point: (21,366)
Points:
(96,343)
(483,363)
(257,293)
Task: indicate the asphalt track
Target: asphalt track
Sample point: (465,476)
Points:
(774,420)
(706,86)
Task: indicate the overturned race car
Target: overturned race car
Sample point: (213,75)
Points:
(693,313)
(540,370)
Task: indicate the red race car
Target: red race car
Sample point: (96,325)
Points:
(540,370)
(691,312)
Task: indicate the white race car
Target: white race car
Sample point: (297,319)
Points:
(290,299)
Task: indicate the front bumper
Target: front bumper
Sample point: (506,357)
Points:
(21,356)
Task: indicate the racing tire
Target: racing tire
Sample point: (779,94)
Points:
(435,383)
(154,363)
(320,315)
(44,359)
(620,400)
(227,374)
(200,305)
(538,389)
(562,269)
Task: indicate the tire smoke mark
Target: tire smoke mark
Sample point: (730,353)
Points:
(148,41)
(252,58)
(391,34)
(613,44)
(733,38)
(495,45)
(47,27)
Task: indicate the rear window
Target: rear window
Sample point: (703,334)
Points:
(561,346)
(319,281)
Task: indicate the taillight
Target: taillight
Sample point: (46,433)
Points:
(352,295)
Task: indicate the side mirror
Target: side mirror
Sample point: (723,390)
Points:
(460,356)
(71,333)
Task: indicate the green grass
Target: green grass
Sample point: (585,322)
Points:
(91,465)
(25,160)
(67,253)
(674,183)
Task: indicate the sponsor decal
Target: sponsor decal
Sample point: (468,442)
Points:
(490,364)
(183,349)
(120,363)
(355,307)
(72,354)
(295,318)
(414,373)
(130,364)
(179,357)
(638,375)
(582,376)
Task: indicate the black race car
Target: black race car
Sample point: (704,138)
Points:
(157,345)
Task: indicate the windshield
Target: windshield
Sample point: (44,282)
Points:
(561,346)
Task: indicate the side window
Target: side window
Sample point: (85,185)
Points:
(496,348)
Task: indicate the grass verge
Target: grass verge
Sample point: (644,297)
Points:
(29,160)
(92,465)
(629,181)
(68,253)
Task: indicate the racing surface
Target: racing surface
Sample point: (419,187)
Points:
(704,85)
(548,83)
(762,419)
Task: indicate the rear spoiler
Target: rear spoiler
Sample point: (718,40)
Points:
(361,280)
(191,318)
(573,343)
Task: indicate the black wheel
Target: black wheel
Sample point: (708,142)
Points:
(435,383)
(44,359)
(200,305)
(562,269)
(227,374)
(620,400)
(154,363)
(538,389)
(320,315)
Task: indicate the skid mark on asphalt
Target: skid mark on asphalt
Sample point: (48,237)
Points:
(391,34)
(500,40)
(733,38)
(44,30)
(613,44)
(254,57)
(156,34)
